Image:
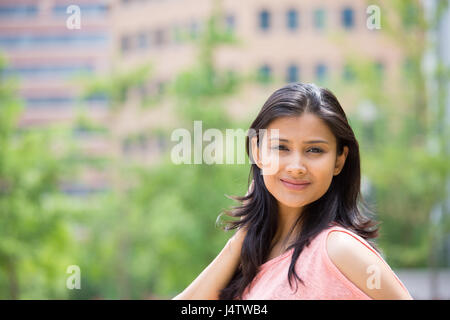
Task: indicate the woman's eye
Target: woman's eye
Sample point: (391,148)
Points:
(316,150)
(283,148)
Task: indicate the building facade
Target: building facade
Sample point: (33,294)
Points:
(285,40)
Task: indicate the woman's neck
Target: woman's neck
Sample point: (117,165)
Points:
(287,217)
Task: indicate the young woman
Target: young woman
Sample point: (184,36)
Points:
(301,232)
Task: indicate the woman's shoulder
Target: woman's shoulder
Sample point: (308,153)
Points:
(359,262)
(339,231)
(341,242)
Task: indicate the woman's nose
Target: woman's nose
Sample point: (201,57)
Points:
(296,165)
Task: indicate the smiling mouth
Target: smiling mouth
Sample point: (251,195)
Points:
(295,186)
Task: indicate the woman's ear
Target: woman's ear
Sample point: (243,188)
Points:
(255,151)
(340,161)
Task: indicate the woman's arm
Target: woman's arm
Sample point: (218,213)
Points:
(364,268)
(219,272)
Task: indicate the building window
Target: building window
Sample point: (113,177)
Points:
(143,40)
(81,190)
(125,43)
(348,19)
(319,19)
(159,37)
(59,101)
(321,72)
(410,67)
(292,19)
(64,101)
(48,71)
(27,40)
(348,73)
(18,11)
(230,23)
(177,34)
(264,20)
(379,69)
(85,9)
(194,29)
(265,73)
(292,73)
(410,15)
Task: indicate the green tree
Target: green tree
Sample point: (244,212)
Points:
(34,235)
(395,124)
(154,230)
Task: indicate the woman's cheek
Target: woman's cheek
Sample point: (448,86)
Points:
(271,163)
(278,191)
(323,181)
(270,182)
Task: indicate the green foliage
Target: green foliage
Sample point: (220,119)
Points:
(402,146)
(34,233)
(115,85)
(154,229)
(200,90)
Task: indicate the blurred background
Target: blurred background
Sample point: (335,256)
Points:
(90,92)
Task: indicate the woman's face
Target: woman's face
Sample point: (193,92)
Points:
(307,159)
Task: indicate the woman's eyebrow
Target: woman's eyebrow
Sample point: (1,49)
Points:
(316,141)
(305,142)
(282,140)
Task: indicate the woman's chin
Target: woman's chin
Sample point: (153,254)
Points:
(292,204)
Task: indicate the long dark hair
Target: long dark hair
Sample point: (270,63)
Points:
(341,204)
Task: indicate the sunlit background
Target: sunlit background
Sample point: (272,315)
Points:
(91,91)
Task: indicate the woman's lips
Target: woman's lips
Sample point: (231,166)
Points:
(295,185)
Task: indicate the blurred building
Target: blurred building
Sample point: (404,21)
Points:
(284,40)
(422,286)
(46,56)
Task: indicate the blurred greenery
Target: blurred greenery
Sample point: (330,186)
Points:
(148,239)
(35,238)
(153,229)
(404,155)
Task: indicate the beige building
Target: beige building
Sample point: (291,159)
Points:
(285,40)
(45,54)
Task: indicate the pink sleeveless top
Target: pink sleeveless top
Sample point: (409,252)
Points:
(322,279)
